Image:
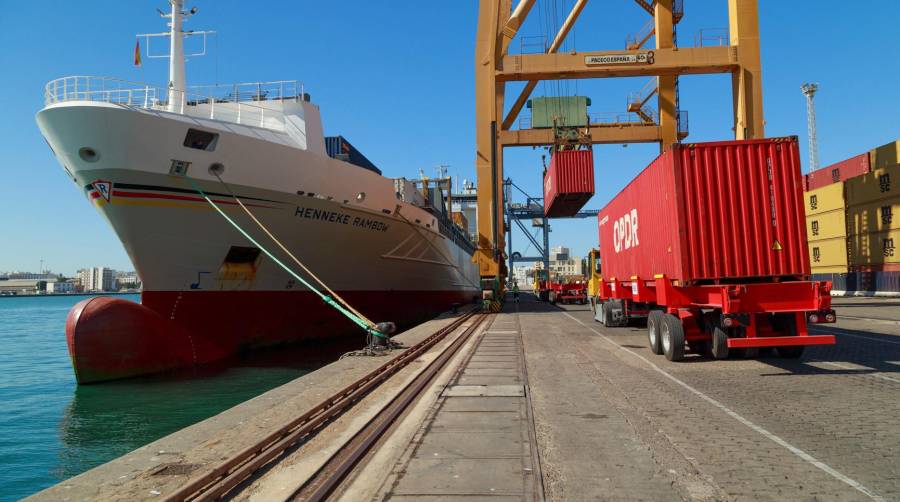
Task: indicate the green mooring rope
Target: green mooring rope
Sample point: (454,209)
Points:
(327,299)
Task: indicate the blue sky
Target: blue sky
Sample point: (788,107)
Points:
(398,82)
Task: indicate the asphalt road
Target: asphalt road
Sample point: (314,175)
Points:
(616,422)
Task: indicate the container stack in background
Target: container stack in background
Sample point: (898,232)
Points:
(853,221)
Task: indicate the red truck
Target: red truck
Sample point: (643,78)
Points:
(708,243)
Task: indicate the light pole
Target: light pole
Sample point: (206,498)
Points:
(809,90)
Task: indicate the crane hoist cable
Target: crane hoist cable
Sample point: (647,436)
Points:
(365,324)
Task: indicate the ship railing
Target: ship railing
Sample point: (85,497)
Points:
(254,103)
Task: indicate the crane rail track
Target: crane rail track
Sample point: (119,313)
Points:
(339,467)
(218,482)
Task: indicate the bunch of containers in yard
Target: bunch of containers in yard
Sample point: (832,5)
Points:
(839,171)
(826,228)
(873,218)
(337,147)
(709,244)
(568,182)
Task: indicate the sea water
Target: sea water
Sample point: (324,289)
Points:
(52,429)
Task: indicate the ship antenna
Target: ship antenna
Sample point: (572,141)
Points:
(177,85)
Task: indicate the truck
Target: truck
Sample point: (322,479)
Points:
(708,245)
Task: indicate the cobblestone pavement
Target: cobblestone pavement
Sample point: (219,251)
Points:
(824,427)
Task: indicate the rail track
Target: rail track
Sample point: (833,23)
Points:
(224,478)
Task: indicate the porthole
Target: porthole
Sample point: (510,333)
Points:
(361,196)
(88,154)
(216,169)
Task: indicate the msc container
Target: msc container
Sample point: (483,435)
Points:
(337,147)
(877,216)
(821,200)
(828,255)
(709,211)
(568,182)
(878,185)
(568,111)
(827,225)
(885,155)
(875,249)
(840,171)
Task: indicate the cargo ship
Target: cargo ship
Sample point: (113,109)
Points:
(148,157)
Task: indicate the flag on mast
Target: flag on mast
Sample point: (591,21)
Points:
(137,53)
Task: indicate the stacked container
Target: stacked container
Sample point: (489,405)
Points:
(826,229)
(839,171)
(873,218)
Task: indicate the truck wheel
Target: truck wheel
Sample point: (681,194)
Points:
(551,297)
(604,309)
(654,322)
(672,332)
(719,343)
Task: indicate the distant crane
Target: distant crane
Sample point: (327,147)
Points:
(809,90)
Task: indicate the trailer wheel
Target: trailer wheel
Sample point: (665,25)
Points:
(654,323)
(672,332)
(719,342)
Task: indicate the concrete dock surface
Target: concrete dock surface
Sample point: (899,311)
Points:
(543,403)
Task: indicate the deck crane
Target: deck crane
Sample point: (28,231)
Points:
(499,24)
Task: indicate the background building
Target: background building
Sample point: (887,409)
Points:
(128,280)
(57,287)
(97,279)
(562,264)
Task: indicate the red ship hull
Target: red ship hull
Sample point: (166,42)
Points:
(110,338)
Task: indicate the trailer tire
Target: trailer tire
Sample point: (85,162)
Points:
(672,338)
(719,342)
(654,322)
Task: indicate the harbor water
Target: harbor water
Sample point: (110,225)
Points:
(52,429)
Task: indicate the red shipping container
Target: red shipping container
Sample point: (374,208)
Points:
(710,211)
(568,183)
(839,171)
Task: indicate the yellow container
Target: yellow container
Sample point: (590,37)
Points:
(885,155)
(827,198)
(828,253)
(878,216)
(827,225)
(880,184)
(875,249)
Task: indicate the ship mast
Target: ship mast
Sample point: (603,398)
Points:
(177,81)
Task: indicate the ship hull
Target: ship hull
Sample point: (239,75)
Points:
(111,338)
(213,287)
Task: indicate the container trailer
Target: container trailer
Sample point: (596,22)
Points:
(709,244)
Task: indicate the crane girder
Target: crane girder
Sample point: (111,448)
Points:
(499,24)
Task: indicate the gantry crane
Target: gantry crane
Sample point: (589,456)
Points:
(498,25)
